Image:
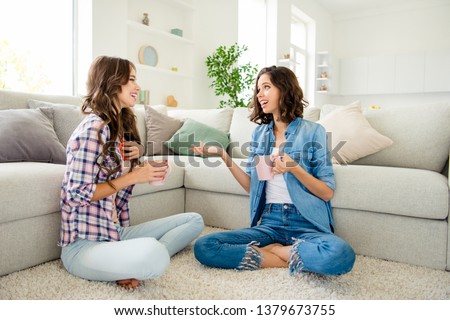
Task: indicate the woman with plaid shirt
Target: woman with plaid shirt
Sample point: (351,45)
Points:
(97,240)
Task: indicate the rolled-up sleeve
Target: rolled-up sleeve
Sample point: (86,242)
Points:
(323,166)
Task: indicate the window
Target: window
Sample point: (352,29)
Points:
(252,31)
(298,48)
(302,48)
(36,46)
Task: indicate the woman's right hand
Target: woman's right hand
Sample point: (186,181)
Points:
(208,150)
(146,173)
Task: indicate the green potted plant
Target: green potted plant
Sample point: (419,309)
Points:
(231,80)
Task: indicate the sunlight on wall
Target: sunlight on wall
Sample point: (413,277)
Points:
(252,31)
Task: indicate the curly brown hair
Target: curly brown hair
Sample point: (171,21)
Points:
(292,101)
(105,80)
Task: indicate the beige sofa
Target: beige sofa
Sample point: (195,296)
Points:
(392,205)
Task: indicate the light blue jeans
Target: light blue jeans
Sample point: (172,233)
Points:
(143,252)
(312,251)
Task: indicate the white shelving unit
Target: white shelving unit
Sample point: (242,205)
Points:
(152,30)
(287,62)
(291,64)
(173,73)
(323,72)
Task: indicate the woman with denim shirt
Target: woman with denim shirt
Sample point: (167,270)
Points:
(291,216)
(97,240)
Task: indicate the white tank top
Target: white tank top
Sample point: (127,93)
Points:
(276,189)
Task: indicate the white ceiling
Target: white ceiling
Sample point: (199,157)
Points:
(352,7)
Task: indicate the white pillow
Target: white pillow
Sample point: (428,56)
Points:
(311,113)
(241,130)
(349,126)
(326,109)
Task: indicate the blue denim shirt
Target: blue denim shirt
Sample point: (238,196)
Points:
(306,143)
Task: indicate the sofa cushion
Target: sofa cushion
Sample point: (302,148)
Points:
(66,117)
(29,189)
(421,135)
(216,118)
(192,133)
(400,191)
(174,180)
(211,174)
(29,136)
(160,128)
(351,134)
(19,100)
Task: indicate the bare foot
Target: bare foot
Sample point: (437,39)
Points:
(270,259)
(128,283)
(284,252)
(270,246)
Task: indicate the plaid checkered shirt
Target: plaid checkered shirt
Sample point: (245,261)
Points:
(81,217)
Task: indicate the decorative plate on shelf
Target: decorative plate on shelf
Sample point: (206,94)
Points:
(148,56)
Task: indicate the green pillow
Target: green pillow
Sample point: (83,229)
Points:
(192,133)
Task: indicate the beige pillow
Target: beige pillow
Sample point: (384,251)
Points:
(160,128)
(352,136)
(326,109)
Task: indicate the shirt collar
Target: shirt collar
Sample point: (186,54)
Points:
(292,127)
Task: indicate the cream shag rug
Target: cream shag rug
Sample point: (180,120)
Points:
(370,278)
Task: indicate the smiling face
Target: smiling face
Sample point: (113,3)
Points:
(268,95)
(129,91)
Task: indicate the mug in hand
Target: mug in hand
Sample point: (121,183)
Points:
(264,166)
(162,163)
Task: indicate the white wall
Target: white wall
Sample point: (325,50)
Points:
(324,35)
(109,32)
(396,31)
(425,25)
(216,24)
(101,31)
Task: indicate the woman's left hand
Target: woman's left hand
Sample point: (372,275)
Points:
(133,150)
(283,163)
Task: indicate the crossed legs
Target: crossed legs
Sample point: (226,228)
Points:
(143,253)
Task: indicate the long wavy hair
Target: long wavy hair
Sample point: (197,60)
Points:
(106,77)
(292,101)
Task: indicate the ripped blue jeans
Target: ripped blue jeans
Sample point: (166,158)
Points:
(312,251)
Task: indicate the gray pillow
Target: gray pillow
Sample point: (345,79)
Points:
(28,135)
(160,128)
(66,117)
